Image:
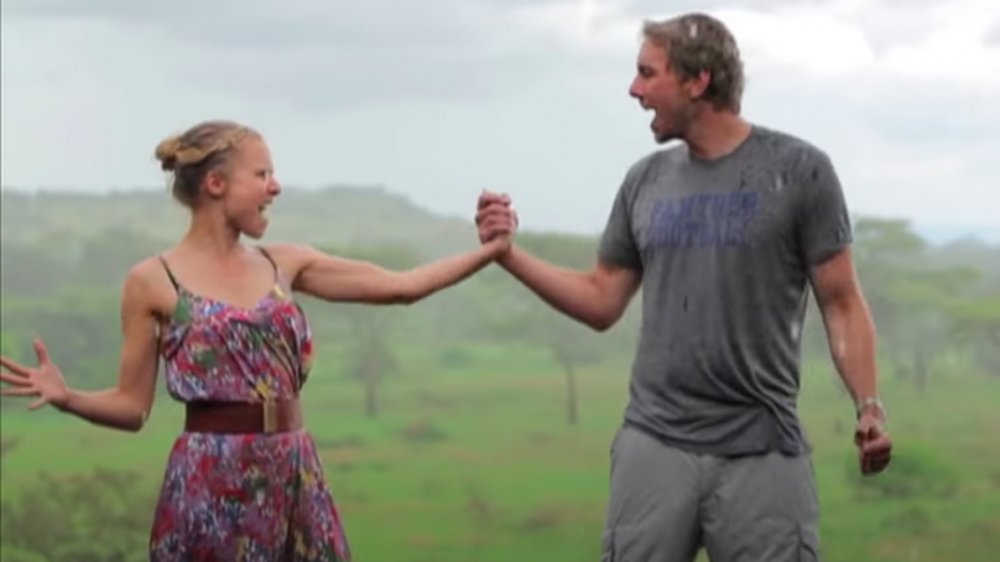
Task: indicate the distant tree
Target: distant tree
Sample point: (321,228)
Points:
(30,270)
(106,257)
(912,299)
(91,517)
(369,348)
(523,315)
(977,324)
(81,329)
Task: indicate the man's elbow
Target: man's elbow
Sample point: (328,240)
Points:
(601,325)
(603,320)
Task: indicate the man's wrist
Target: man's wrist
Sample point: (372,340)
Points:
(503,259)
(871,404)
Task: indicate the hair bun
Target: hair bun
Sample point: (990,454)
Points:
(166,153)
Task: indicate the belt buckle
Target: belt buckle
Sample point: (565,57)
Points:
(270,416)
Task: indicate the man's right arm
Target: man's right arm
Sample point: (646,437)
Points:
(597,298)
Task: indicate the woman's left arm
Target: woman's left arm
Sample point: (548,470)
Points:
(339,279)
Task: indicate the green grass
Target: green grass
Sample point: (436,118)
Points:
(475,462)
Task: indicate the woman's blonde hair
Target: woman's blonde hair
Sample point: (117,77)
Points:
(193,154)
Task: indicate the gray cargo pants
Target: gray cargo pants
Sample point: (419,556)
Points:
(666,503)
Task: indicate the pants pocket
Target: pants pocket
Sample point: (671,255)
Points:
(636,543)
(608,546)
(808,544)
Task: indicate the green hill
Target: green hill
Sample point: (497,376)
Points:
(337,215)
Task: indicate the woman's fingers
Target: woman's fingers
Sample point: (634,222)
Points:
(14,366)
(15,380)
(20,391)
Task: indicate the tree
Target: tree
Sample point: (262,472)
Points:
(30,270)
(911,299)
(571,344)
(369,354)
(106,257)
(81,329)
(977,324)
(90,517)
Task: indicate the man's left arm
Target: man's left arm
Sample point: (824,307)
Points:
(849,326)
(825,236)
(851,335)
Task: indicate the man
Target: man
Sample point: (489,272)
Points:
(724,232)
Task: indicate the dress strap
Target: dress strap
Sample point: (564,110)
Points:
(267,255)
(170,274)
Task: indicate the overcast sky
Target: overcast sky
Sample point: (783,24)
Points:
(438,99)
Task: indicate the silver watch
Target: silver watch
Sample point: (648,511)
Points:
(868,402)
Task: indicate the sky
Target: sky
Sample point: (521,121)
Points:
(439,99)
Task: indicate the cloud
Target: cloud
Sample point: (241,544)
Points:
(316,55)
(439,98)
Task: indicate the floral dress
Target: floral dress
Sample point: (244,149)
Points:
(242,497)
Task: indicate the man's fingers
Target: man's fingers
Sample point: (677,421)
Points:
(867,431)
(875,449)
(879,461)
(874,466)
(487,198)
(505,220)
(496,228)
(493,228)
(878,446)
(495,210)
(871,464)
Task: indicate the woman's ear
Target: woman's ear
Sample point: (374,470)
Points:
(215,184)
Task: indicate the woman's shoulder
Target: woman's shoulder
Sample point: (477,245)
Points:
(149,284)
(290,258)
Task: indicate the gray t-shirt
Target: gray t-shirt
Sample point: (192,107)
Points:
(724,248)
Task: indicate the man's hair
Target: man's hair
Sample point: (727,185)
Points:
(697,42)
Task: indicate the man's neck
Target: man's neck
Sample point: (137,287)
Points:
(716,133)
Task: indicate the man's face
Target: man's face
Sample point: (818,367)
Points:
(658,89)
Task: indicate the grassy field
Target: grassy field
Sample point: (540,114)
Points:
(476,463)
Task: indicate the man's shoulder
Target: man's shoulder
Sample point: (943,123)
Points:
(783,144)
(667,156)
(671,153)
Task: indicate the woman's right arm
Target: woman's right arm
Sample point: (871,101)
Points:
(125,406)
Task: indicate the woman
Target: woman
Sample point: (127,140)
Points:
(243,481)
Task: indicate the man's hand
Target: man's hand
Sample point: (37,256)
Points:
(495,216)
(872,440)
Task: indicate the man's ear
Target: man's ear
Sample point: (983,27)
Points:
(698,84)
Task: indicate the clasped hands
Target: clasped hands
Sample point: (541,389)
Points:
(496,219)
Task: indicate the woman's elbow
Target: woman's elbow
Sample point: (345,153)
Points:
(407,299)
(405,291)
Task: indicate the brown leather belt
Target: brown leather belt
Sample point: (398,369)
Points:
(271,416)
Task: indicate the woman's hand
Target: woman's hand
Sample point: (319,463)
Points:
(45,381)
(495,217)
